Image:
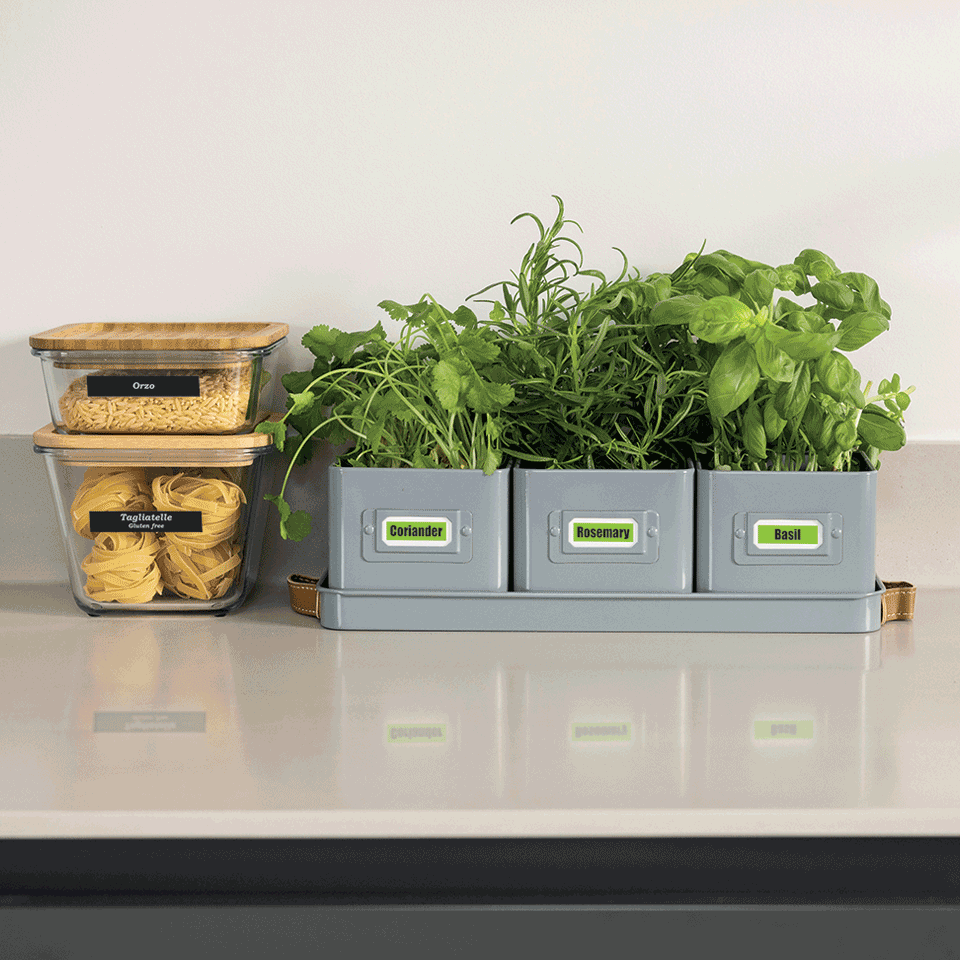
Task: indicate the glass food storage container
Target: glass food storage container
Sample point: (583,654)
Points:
(163,378)
(155,524)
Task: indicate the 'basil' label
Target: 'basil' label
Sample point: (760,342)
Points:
(787,534)
(143,385)
(417,531)
(146,521)
(605,532)
(783,730)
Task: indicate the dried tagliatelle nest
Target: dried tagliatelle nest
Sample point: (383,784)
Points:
(122,567)
(220,408)
(106,489)
(199,574)
(219,501)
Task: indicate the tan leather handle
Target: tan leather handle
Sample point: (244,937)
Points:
(897,603)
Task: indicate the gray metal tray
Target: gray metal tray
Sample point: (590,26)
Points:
(395,610)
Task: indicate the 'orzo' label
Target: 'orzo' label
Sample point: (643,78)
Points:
(602,532)
(417,531)
(143,385)
(787,534)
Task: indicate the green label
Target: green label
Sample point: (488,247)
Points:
(787,533)
(599,732)
(783,730)
(596,532)
(416,733)
(426,531)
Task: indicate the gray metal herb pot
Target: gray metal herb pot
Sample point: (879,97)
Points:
(786,531)
(609,531)
(418,529)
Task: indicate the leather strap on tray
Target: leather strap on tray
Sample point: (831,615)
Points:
(897,603)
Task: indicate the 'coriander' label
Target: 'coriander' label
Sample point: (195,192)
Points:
(787,534)
(147,521)
(602,532)
(150,721)
(599,732)
(783,730)
(417,531)
(416,733)
(143,385)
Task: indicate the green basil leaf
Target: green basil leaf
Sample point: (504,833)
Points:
(721,319)
(802,344)
(845,435)
(816,264)
(759,286)
(903,400)
(866,288)
(791,398)
(774,363)
(773,423)
(879,430)
(834,293)
(792,279)
(860,328)
(733,378)
(717,265)
(676,310)
(835,373)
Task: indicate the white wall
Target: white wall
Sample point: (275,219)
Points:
(301,161)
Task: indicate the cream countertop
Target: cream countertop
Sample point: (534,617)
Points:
(307,732)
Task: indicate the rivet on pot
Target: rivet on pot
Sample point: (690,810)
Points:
(739,534)
(651,531)
(465,531)
(836,534)
(368,528)
(554,531)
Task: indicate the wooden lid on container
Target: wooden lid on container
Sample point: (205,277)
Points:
(48,438)
(226,335)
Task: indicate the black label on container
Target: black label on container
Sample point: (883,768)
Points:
(143,385)
(146,521)
(150,721)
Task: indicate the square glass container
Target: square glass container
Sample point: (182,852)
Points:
(159,378)
(157,524)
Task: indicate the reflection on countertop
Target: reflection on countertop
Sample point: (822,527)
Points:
(101,714)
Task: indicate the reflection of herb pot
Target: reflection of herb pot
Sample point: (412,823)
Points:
(786,531)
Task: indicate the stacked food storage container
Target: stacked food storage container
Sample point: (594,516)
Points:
(156,473)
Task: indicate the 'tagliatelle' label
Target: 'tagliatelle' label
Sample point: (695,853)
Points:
(146,521)
(143,385)
(787,534)
(417,531)
(150,721)
(602,532)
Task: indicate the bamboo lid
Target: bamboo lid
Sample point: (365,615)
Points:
(48,439)
(226,335)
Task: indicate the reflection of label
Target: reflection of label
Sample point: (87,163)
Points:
(416,733)
(143,385)
(146,521)
(783,730)
(602,532)
(599,732)
(423,531)
(124,721)
(787,534)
